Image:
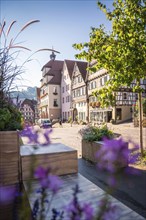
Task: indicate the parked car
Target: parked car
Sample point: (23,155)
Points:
(45,123)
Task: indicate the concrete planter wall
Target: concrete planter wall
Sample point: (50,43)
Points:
(89,150)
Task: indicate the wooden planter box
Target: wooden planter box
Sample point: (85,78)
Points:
(89,150)
(9,157)
(61,158)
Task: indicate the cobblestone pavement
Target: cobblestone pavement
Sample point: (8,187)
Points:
(69,135)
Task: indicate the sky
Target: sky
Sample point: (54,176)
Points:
(62,23)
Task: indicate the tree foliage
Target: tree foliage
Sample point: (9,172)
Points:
(122,51)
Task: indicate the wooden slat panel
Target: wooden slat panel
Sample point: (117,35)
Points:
(61,163)
(9,157)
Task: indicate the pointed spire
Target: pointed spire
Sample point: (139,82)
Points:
(52,56)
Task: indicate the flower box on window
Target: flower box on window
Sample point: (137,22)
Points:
(55,93)
(97,104)
(93,104)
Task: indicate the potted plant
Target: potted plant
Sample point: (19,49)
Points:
(10,117)
(92,140)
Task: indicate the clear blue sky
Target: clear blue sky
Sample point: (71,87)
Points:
(62,23)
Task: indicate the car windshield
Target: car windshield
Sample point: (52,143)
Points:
(46,121)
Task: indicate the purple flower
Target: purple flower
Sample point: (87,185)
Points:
(35,136)
(40,173)
(88,211)
(54,183)
(31,134)
(46,137)
(107,210)
(47,180)
(111,212)
(112,155)
(7,194)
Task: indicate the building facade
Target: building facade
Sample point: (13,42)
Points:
(29,111)
(50,90)
(78,92)
(67,91)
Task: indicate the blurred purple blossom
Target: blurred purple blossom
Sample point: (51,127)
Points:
(107,210)
(111,212)
(88,211)
(48,180)
(7,194)
(40,172)
(54,183)
(76,210)
(114,154)
(35,135)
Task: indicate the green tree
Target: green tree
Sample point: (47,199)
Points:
(122,52)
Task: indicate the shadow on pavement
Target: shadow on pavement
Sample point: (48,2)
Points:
(131,189)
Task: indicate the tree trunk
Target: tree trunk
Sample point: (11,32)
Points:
(140,123)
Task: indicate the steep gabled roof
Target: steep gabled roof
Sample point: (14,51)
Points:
(30,102)
(55,70)
(82,68)
(70,65)
(49,64)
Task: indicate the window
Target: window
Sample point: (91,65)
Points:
(62,100)
(55,90)
(67,98)
(105,79)
(83,91)
(119,114)
(101,81)
(62,89)
(55,103)
(67,87)
(74,94)
(124,95)
(94,84)
(79,79)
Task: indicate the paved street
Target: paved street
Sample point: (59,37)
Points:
(131,189)
(69,135)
